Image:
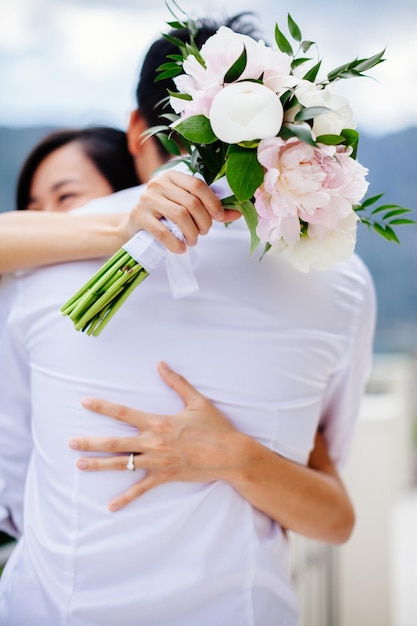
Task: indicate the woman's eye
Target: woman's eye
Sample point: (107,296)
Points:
(66,196)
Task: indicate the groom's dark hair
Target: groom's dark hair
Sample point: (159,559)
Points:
(151,96)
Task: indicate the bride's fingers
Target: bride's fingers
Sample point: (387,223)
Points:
(110,463)
(117,411)
(104,444)
(135,491)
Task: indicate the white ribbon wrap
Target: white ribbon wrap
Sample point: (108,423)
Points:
(149,253)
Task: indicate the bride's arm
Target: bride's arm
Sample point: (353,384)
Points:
(35,238)
(200,444)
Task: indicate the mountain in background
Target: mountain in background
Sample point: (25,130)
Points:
(392,163)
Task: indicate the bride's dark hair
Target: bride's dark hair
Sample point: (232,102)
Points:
(105,147)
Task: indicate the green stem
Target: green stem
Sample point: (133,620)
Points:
(117,304)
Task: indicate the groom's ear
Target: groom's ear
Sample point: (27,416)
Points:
(137,126)
(143,149)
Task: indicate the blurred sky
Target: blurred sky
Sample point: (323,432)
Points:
(75,62)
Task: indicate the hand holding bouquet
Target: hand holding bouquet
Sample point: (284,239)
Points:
(263,119)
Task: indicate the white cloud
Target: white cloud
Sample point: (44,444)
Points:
(72,62)
(97,41)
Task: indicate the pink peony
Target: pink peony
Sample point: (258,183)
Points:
(317,185)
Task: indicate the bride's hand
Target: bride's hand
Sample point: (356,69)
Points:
(198,444)
(185,200)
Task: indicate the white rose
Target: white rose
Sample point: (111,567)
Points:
(340,115)
(245,111)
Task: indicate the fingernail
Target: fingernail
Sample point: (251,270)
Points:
(164,366)
(113,506)
(81,464)
(74,445)
(86,403)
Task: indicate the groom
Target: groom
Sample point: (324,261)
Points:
(278,353)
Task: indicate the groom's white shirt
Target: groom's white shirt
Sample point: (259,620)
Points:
(278,351)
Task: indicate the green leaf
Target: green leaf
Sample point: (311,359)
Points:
(380,230)
(238,67)
(180,96)
(390,235)
(383,207)
(371,200)
(295,32)
(362,65)
(330,140)
(176,25)
(351,139)
(169,144)
(175,57)
(267,247)
(251,218)
(300,61)
(244,173)
(170,65)
(306,45)
(154,130)
(301,131)
(168,74)
(401,221)
(196,129)
(282,42)
(311,75)
(309,113)
(175,41)
(399,211)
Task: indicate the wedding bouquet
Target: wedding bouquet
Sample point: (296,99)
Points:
(282,138)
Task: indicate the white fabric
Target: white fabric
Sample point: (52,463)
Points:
(276,350)
(14,462)
(13,470)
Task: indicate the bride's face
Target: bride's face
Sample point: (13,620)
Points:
(66,179)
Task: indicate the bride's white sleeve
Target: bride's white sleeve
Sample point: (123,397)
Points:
(15,429)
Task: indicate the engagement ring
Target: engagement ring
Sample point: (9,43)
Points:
(130,464)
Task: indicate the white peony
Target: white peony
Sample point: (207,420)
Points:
(323,252)
(245,111)
(339,117)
